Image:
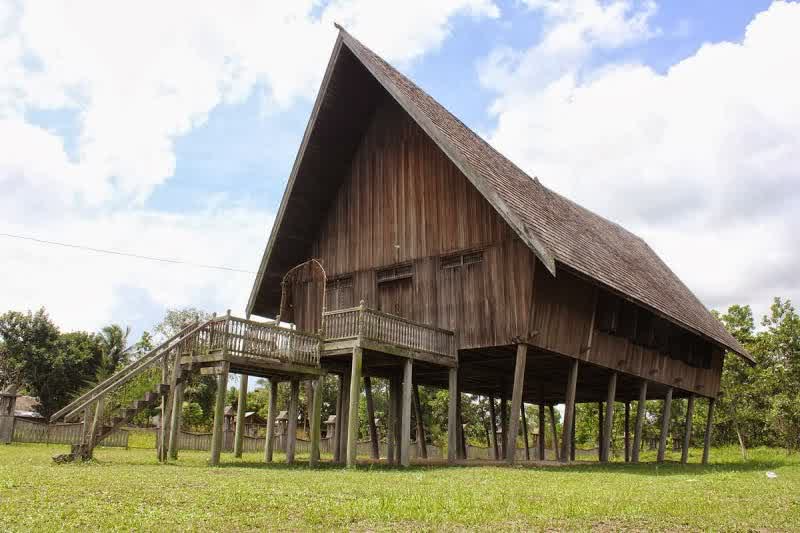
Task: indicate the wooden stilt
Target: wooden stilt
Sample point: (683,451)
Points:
(422,446)
(405,417)
(177,414)
(504,426)
(344,422)
(493,424)
(553,427)
(609,422)
(241,410)
(316,422)
(569,412)
(375,451)
(355,396)
(627,424)
(687,435)
(462,440)
(97,425)
(665,419)
(452,416)
(541,443)
(87,422)
(600,429)
(291,427)
(398,413)
(709,427)
(337,429)
(219,413)
(525,433)
(516,402)
(572,435)
(641,407)
(391,422)
(269,444)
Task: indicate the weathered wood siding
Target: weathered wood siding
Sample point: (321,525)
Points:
(405,202)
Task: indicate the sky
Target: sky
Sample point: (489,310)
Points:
(168,129)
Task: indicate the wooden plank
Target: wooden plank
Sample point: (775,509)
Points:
(516,403)
(373,429)
(665,419)
(272,412)
(452,416)
(569,412)
(709,427)
(556,448)
(219,412)
(493,419)
(241,409)
(525,432)
(627,430)
(422,446)
(641,407)
(405,417)
(316,429)
(687,436)
(542,442)
(355,396)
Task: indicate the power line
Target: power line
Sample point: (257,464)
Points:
(125,254)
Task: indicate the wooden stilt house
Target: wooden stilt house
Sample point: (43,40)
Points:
(407,248)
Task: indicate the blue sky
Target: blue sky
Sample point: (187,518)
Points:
(171,130)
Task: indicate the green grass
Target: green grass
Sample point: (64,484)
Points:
(128,490)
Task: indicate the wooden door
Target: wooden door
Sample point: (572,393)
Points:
(396,297)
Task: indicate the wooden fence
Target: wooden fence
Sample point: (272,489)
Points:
(28,431)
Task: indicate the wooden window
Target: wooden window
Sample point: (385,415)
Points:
(339,293)
(459,260)
(394,273)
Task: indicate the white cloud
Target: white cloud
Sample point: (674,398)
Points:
(132,78)
(703,161)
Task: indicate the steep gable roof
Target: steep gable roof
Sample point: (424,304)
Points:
(556,229)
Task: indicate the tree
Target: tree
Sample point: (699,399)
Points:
(116,352)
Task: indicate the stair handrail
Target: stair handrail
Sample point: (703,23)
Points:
(124,375)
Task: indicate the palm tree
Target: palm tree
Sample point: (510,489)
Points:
(115,350)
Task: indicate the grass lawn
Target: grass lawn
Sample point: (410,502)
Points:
(127,489)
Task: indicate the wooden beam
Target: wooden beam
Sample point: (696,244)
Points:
(219,414)
(405,418)
(709,427)
(422,446)
(641,407)
(452,415)
(241,410)
(337,429)
(553,427)
(525,433)
(569,412)
(375,451)
(391,422)
(627,429)
(344,422)
(177,414)
(398,419)
(687,435)
(493,417)
(504,426)
(572,434)
(516,402)
(355,396)
(271,413)
(665,419)
(316,422)
(600,429)
(291,430)
(609,422)
(542,433)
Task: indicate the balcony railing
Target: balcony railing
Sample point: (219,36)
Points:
(346,324)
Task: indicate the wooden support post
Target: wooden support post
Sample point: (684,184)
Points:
(177,414)
(462,441)
(219,414)
(269,444)
(709,427)
(316,423)
(96,427)
(504,426)
(541,443)
(390,422)
(452,416)
(85,427)
(525,433)
(569,412)
(553,427)
(355,396)
(241,410)
(641,407)
(405,418)
(343,420)
(375,450)
(493,423)
(627,424)
(600,428)
(572,434)
(516,402)
(337,429)
(665,419)
(687,435)
(609,422)
(291,427)
(398,415)
(422,446)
